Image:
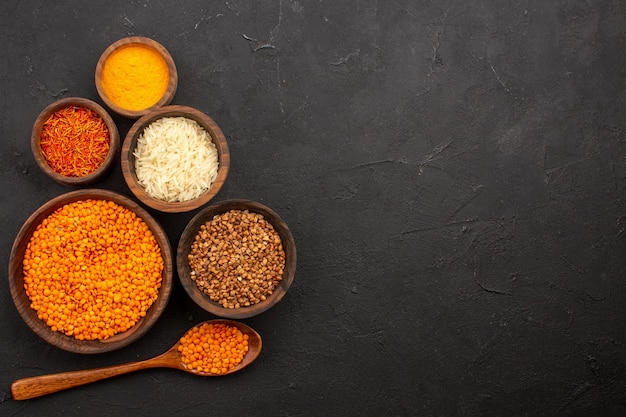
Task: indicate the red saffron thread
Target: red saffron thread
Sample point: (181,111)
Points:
(75,141)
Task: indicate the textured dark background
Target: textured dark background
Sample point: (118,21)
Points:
(453,173)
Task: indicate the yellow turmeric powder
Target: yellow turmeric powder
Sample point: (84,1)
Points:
(135,77)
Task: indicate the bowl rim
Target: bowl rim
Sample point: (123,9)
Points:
(170,91)
(60,340)
(184,246)
(127,158)
(114,141)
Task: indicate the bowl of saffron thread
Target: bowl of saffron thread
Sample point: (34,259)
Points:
(75,141)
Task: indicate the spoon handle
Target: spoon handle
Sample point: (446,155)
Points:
(36,386)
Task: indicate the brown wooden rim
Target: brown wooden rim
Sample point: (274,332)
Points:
(35,141)
(128,159)
(137,40)
(22,303)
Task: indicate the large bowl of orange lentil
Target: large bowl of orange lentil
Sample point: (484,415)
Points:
(75,141)
(90,271)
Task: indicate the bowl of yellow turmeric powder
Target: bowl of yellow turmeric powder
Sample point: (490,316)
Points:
(90,271)
(136,75)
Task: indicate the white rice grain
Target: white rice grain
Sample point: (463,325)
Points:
(175,159)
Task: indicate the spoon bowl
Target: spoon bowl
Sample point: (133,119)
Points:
(37,386)
(254,348)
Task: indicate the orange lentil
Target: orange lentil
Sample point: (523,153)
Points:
(76,285)
(213,348)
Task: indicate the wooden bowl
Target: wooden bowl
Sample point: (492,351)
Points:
(58,339)
(114,144)
(128,159)
(184,248)
(145,42)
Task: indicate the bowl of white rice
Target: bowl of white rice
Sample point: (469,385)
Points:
(175,159)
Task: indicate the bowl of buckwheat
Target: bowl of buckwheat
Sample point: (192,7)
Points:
(236,258)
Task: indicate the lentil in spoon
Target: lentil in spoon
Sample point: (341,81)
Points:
(194,353)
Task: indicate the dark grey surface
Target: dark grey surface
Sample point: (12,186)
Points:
(452,172)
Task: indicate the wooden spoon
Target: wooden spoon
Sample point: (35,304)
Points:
(37,386)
